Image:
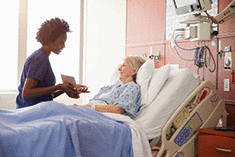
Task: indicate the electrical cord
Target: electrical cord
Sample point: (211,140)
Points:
(212,57)
(182,49)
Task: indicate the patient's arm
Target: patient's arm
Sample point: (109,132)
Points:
(107,108)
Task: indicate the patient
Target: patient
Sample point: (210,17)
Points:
(123,97)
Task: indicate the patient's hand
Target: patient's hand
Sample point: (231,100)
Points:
(82,88)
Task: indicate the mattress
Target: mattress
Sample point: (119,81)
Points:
(179,85)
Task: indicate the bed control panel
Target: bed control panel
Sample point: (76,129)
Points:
(188,130)
(179,120)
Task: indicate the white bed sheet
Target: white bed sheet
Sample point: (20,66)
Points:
(180,84)
(140,143)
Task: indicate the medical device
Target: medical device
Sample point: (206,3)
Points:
(191,6)
(226,14)
(229,64)
(229,61)
(199,27)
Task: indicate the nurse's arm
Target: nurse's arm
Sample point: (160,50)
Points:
(31,91)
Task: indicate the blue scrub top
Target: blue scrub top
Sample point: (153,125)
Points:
(37,66)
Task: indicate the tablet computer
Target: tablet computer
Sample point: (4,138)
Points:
(68,79)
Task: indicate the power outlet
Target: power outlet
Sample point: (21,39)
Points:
(226,85)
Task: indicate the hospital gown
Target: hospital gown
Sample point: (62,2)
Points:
(126,96)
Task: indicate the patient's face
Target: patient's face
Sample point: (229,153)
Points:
(125,74)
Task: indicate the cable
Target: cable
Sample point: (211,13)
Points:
(181,56)
(181,47)
(210,55)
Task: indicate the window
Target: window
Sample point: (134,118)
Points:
(67,62)
(38,11)
(9,11)
(104,42)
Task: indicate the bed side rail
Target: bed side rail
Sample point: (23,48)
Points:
(201,109)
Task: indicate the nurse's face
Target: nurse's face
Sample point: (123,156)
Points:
(125,74)
(59,44)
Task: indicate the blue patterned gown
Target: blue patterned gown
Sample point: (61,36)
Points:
(126,96)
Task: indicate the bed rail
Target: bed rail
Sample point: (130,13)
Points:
(201,109)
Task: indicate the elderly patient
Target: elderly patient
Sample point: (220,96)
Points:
(123,97)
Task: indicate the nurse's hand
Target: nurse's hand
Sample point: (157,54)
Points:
(82,88)
(70,90)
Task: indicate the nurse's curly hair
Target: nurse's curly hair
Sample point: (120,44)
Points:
(51,29)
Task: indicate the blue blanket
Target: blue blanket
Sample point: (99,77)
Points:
(52,129)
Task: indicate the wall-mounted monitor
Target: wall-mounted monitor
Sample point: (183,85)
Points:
(183,7)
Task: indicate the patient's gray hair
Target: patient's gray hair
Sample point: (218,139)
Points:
(134,62)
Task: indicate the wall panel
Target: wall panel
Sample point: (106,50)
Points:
(143,17)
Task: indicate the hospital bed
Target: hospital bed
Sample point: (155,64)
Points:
(183,105)
(174,105)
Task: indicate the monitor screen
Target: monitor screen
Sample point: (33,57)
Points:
(180,3)
(191,6)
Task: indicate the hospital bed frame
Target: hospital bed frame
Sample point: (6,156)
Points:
(201,109)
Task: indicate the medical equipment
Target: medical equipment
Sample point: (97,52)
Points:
(191,6)
(156,56)
(199,27)
(226,14)
(202,57)
(229,64)
(229,61)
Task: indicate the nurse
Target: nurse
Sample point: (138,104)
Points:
(37,82)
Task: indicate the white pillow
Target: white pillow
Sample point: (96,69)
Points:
(143,78)
(158,80)
(115,76)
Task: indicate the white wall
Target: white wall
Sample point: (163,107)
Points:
(105,33)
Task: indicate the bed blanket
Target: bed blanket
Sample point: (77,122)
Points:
(54,129)
(140,142)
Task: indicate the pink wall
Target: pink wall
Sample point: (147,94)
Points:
(146,28)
